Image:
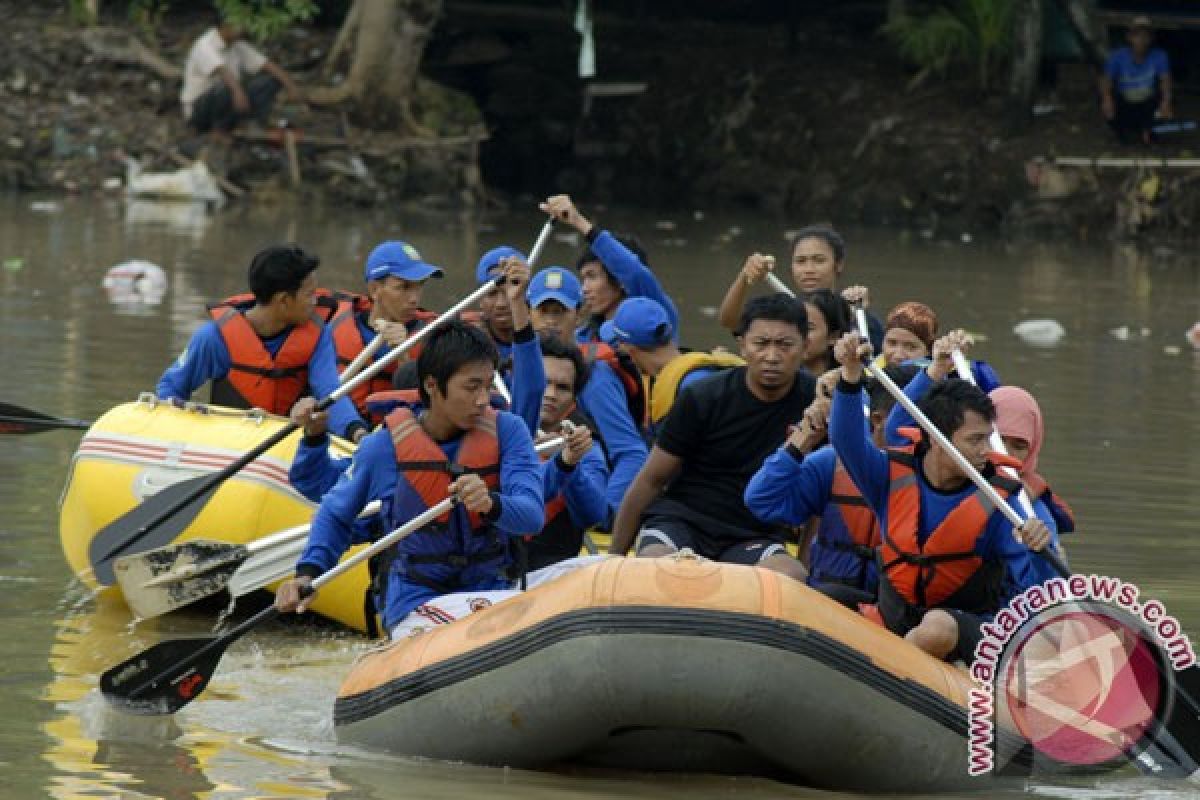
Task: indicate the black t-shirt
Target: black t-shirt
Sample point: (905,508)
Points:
(723,433)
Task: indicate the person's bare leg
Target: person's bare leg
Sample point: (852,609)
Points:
(937,634)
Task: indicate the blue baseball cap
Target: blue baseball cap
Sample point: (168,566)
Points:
(400,259)
(639,321)
(490,259)
(555,283)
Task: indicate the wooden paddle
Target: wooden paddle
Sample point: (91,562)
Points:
(169,512)
(164,678)
(165,579)
(1176,751)
(15,419)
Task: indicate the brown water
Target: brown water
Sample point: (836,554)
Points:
(1121,446)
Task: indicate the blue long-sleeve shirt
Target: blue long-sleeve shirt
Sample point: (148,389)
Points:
(206,358)
(635,277)
(528,379)
(314,471)
(788,490)
(603,399)
(869,469)
(373,476)
(582,487)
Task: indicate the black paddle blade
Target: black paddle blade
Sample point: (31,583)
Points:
(164,678)
(16,419)
(1184,722)
(153,523)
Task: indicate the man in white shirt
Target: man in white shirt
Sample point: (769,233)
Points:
(226,80)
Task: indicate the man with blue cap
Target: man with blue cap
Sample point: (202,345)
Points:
(643,329)
(554,299)
(395,275)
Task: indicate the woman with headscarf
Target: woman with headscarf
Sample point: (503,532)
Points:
(909,333)
(1019,421)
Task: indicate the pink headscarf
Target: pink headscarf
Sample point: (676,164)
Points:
(1018,416)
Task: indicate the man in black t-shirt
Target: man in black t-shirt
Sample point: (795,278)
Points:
(717,435)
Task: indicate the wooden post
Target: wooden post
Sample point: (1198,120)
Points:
(289,145)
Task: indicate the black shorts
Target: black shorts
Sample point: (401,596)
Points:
(970,632)
(679,533)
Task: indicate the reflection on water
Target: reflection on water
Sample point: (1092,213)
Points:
(1121,447)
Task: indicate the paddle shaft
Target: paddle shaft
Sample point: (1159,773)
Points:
(363,357)
(778,285)
(223,641)
(963,368)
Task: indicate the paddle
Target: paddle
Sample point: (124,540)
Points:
(15,419)
(1177,743)
(164,678)
(159,581)
(169,512)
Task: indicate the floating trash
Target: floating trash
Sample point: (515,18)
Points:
(1193,335)
(1121,334)
(1040,332)
(708,311)
(1172,350)
(45,207)
(135,284)
(14,263)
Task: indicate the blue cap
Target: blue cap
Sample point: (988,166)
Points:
(555,283)
(490,259)
(400,259)
(639,321)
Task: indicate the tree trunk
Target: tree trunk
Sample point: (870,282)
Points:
(387,41)
(1082,14)
(1026,60)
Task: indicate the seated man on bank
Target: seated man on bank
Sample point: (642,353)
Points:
(226,81)
(689,493)
(928,507)
(575,480)
(1136,85)
(488,463)
(642,328)
(263,349)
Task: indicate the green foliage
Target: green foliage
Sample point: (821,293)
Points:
(147,15)
(265,19)
(976,32)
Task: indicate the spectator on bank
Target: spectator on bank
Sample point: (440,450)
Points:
(1136,85)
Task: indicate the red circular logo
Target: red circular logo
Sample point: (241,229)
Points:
(1083,686)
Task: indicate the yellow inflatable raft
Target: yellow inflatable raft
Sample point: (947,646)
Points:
(137,449)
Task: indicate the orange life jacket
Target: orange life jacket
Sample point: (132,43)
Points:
(348,343)
(631,379)
(425,468)
(861,523)
(931,574)
(255,378)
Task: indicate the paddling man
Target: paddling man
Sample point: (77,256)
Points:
(928,508)
(555,297)
(396,275)
(642,328)
(263,350)
(689,493)
(612,269)
(804,479)
(574,481)
(456,445)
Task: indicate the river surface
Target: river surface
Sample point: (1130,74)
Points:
(1121,446)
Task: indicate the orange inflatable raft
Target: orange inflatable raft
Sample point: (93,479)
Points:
(670,664)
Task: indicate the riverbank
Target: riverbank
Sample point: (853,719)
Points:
(814,121)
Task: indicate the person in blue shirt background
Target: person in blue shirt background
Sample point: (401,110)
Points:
(642,328)
(949,627)
(1136,85)
(555,298)
(611,268)
(499,486)
(281,346)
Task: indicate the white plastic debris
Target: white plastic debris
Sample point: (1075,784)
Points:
(135,283)
(194,183)
(1040,332)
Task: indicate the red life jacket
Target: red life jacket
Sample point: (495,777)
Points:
(348,343)
(944,571)
(631,379)
(255,378)
(425,468)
